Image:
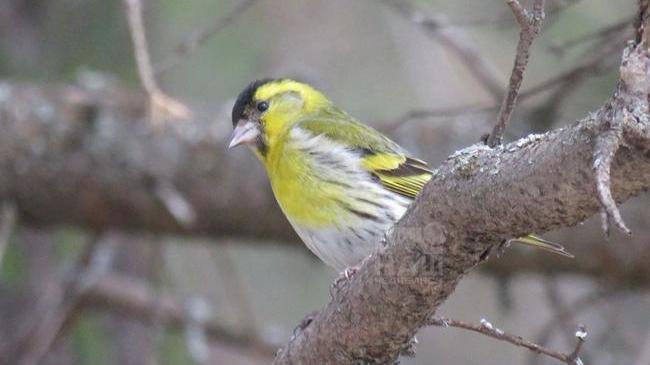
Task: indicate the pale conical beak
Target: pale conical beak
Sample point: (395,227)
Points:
(245,132)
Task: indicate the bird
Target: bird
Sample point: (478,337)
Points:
(340,183)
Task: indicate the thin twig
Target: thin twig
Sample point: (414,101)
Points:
(486,328)
(530,24)
(454,39)
(418,114)
(161,105)
(140,47)
(581,334)
(193,41)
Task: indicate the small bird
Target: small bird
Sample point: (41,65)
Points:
(341,184)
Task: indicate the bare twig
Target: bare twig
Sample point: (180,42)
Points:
(530,24)
(419,114)
(193,41)
(161,105)
(486,328)
(437,27)
(7,224)
(581,335)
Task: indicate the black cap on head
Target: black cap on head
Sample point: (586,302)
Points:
(244,98)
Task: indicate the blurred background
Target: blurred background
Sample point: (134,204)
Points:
(125,240)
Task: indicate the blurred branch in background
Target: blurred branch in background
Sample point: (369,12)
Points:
(193,41)
(61,307)
(456,41)
(133,298)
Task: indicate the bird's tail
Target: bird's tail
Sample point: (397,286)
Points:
(538,242)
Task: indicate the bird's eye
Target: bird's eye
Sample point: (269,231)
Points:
(262,106)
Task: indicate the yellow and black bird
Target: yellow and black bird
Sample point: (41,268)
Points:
(341,184)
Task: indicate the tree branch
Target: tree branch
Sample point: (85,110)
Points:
(486,328)
(95,150)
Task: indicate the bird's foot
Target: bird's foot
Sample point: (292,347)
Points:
(501,249)
(343,277)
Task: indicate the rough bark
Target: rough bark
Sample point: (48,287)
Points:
(477,199)
(94,149)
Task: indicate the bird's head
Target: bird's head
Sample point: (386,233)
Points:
(265,108)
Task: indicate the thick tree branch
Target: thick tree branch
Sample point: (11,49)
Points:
(532,185)
(95,150)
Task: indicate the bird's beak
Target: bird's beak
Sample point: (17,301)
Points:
(246,132)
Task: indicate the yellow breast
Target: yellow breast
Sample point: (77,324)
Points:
(301,193)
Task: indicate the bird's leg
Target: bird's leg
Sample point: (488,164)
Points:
(347,274)
(502,247)
(349,271)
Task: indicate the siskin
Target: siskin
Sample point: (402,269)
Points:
(341,184)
